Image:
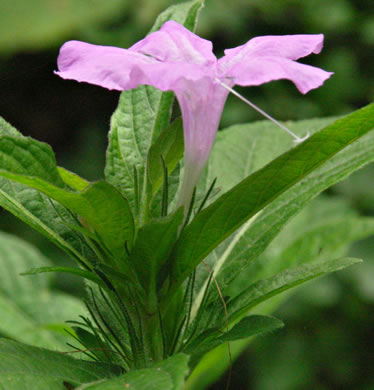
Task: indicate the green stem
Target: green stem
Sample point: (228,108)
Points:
(153,337)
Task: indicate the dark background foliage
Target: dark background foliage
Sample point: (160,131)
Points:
(327,342)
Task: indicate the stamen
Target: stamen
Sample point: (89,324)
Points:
(297,139)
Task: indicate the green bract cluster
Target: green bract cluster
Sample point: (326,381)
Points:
(162,291)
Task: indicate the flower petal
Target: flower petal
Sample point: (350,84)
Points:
(292,47)
(106,66)
(174,43)
(171,77)
(260,70)
(122,69)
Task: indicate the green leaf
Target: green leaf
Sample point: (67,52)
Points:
(323,230)
(45,216)
(102,208)
(38,211)
(97,300)
(169,147)
(29,310)
(264,289)
(152,249)
(37,24)
(73,180)
(166,375)
(235,207)
(26,367)
(7,129)
(69,270)
(117,277)
(177,368)
(142,114)
(146,378)
(25,156)
(248,327)
(330,239)
(186,13)
(251,326)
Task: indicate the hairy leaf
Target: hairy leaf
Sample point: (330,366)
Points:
(166,375)
(69,270)
(152,248)
(248,327)
(26,367)
(29,310)
(102,208)
(41,213)
(264,289)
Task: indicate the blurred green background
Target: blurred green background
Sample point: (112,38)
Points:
(329,335)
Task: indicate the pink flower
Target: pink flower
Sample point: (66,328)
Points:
(175,59)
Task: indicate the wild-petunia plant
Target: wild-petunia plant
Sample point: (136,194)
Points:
(160,245)
(175,59)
